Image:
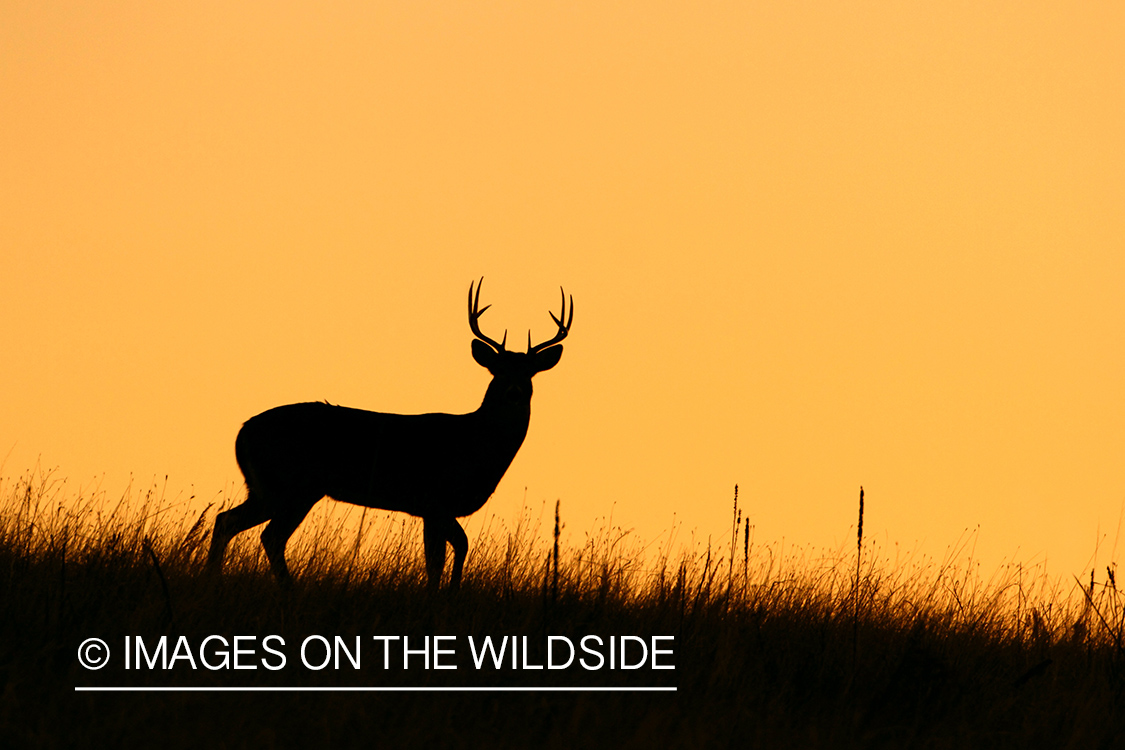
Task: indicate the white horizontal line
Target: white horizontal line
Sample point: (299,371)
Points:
(373,689)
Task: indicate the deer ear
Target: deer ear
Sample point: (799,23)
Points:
(484,354)
(547,358)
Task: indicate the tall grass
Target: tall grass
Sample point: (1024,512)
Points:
(775,646)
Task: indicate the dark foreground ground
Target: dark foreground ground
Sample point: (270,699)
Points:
(760,661)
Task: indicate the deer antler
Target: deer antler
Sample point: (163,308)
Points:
(475,311)
(563,329)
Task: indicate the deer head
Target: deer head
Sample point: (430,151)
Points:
(512,371)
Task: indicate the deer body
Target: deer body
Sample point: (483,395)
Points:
(388,461)
(439,467)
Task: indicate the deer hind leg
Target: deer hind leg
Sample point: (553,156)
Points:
(234,521)
(435,533)
(276,536)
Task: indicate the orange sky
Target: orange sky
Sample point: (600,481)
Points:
(811,245)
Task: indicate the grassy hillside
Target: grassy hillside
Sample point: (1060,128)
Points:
(802,651)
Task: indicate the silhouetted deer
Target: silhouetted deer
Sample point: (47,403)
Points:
(436,466)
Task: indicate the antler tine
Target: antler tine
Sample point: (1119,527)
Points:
(564,329)
(559,322)
(474,304)
(475,311)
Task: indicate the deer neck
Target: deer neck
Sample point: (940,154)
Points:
(507,415)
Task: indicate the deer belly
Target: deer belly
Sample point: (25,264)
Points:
(418,495)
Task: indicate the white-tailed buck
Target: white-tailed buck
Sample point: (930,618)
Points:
(436,466)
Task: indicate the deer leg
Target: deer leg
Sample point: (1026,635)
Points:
(436,532)
(234,521)
(456,536)
(433,541)
(277,534)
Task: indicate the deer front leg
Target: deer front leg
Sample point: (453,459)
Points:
(435,533)
(460,542)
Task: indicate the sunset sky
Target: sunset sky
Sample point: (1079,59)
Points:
(812,246)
